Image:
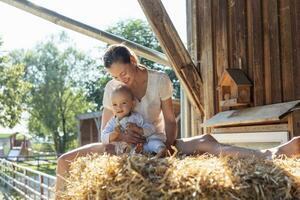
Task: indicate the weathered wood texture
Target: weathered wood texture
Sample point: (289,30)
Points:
(254,128)
(274,113)
(88,132)
(206,56)
(191,129)
(261,37)
(294,123)
(175,50)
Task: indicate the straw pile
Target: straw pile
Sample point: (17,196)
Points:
(199,177)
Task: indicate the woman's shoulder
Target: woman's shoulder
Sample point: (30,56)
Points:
(157,74)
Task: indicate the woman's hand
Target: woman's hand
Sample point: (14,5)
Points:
(133,127)
(133,134)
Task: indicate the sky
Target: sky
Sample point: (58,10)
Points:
(19,29)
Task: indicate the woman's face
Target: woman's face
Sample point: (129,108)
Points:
(123,72)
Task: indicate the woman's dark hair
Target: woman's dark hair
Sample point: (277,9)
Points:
(117,53)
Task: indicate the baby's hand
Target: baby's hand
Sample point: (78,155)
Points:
(115,135)
(118,129)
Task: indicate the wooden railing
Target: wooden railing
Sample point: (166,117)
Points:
(30,184)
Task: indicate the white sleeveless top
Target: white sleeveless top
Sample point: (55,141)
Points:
(159,88)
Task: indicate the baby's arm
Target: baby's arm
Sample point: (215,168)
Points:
(111,132)
(147,127)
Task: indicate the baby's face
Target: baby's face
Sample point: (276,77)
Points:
(122,104)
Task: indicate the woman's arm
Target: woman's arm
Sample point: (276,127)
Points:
(170,121)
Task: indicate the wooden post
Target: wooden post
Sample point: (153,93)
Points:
(206,56)
(25,180)
(41,187)
(177,54)
(13,175)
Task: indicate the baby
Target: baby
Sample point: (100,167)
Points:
(123,103)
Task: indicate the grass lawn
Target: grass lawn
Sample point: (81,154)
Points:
(48,168)
(5,135)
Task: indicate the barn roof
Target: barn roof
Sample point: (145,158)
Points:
(90,115)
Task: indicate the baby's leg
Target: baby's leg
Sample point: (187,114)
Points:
(155,146)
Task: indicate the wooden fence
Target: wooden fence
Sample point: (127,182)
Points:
(30,184)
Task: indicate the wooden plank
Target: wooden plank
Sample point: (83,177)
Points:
(255,128)
(90,115)
(220,36)
(294,123)
(206,53)
(255,50)
(254,137)
(286,48)
(194,47)
(191,46)
(295,24)
(194,33)
(260,114)
(174,48)
(237,34)
(271,52)
(220,48)
(189,26)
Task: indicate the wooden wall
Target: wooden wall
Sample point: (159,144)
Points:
(88,132)
(261,37)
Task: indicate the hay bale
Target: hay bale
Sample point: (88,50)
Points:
(199,177)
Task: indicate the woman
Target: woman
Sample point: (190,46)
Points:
(153,91)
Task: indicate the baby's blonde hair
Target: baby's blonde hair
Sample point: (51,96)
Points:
(122,88)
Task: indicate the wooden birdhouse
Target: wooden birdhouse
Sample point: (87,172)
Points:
(234,89)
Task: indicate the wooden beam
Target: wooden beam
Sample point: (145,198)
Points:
(254,128)
(174,49)
(194,48)
(206,59)
(90,31)
(253,137)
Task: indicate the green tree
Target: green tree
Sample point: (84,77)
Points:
(96,90)
(13,90)
(57,72)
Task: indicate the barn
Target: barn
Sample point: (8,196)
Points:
(238,73)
